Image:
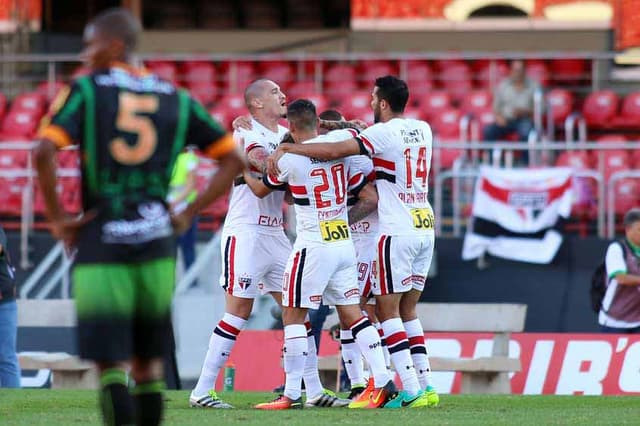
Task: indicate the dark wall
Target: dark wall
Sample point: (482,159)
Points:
(557,294)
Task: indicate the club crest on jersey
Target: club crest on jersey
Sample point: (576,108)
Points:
(334,230)
(244,282)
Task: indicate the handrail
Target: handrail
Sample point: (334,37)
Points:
(56,251)
(611,200)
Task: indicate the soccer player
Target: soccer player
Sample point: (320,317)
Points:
(401,152)
(130,127)
(321,266)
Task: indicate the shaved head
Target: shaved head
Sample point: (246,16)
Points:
(118,24)
(257,90)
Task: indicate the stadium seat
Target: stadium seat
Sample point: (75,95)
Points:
(356,100)
(569,71)
(447,155)
(205,93)
(320,101)
(68,159)
(446,123)
(456,79)
(370,70)
(198,72)
(30,102)
(629,116)
(579,160)
(489,73)
(414,112)
(11,195)
(340,71)
(364,113)
(336,91)
(222,116)
(14,159)
(560,104)
(3,105)
(281,73)
(476,101)
(538,70)
(164,70)
(600,108)
(50,90)
(237,75)
(300,89)
(627,193)
(585,189)
(444,64)
(19,125)
(234,103)
(419,79)
(434,102)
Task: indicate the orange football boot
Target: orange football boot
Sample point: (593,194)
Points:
(362,400)
(380,396)
(281,403)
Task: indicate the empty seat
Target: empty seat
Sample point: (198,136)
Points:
(629,112)
(571,71)
(336,91)
(68,159)
(370,71)
(434,102)
(476,101)
(19,125)
(14,159)
(3,105)
(456,79)
(355,100)
(198,72)
(31,102)
(301,89)
(489,73)
(600,108)
(560,104)
(538,70)
(237,75)
(204,92)
(164,70)
(419,79)
(627,193)
(50,90)
(281,73)
(11,195)
(340,71)
(319,100)
(446,123)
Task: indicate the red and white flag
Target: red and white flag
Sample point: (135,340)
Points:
(518,214)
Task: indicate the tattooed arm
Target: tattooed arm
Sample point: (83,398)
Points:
(367,203)
(336,125)
(258,158)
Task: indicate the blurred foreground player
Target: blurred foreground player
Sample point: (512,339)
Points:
(130,127)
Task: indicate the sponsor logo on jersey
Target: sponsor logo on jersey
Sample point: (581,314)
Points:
(422,218)
(316,298)
(265,220)
(354,292)
(334,230)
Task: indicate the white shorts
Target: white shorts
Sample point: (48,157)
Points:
(365,245)
(319,272)
(402,263)
(253,262)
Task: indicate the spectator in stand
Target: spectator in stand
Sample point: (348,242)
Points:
(183,191)
(620,312)
(513,105)
(9,368)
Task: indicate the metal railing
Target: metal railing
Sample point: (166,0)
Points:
(611,197)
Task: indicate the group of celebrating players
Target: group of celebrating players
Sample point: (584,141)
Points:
(364,232)
(364,229)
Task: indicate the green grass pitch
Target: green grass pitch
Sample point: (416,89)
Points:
(74,407)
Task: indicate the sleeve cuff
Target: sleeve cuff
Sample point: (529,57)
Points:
(614,273)
(222,146)
(57,135)
(273,183)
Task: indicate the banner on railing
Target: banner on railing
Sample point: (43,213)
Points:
(517,214)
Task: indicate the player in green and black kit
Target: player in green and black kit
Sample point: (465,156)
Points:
(130,127)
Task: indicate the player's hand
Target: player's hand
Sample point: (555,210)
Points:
(66,229)
(272,160)
(181,222)
(358,124)
(242,122)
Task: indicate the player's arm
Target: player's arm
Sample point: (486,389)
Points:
(257,158)
(256,185)
(45,158)
(325,151)
(367,203)
(337,125)
(617,265)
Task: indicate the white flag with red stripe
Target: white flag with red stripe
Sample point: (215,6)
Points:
(518,214)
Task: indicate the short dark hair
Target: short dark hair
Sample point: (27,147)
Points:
(394,91)
(301,113)
(330,115)
(631,217)
(118,23)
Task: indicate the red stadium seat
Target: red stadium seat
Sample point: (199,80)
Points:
(11,195)
(198,72)
(434,102)
(356,100)
(14,159)
(446,123)
(204,92)
(164,70)
(600,107)
(370,71)
(537,70)
(340,71)
(476,101)
(68,159)
(457,80)
(570,71)
(444,64)
(560,103)
(585,189)
(364,113)
(19,125)
(50,90)
(31,102)
(337,90)
(629,112)
(300,89)
(222,116)
(239,73)
(414,112)
(3,105)
(281,73)
(489,73)
(579,160)
(419,79)
(448,155)
(627,195)
(320,101)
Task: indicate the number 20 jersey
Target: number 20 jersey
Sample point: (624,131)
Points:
(401,152)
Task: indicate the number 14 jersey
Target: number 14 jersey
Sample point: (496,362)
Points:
(401,152)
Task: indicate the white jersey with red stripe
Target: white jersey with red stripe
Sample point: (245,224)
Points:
(361,165)
(401,153)
(245,209)
(319,189)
